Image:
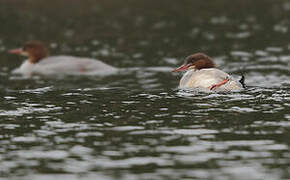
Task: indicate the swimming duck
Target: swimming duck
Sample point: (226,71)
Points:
(202,74)
(39,62)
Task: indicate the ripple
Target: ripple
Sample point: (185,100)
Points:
(27,110)
(80,150)
(194,131)
(24,139)
(126,128)
(177,131)
(38,90)
(54,154)
(136,161)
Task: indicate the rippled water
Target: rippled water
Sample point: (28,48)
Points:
(137,124)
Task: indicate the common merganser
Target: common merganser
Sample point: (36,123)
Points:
(39,62)
(202,74)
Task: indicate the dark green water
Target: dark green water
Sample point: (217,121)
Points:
(137,124)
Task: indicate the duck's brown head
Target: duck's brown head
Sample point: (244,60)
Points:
(34,50)
(196,61)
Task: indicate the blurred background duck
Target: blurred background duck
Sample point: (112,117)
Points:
(39,62)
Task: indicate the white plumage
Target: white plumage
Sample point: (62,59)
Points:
(65,65)
(206,78)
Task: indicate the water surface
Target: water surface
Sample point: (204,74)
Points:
(137,124)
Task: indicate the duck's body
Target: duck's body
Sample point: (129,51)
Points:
(207,79)
(202,74)
(65,65)
(40,63)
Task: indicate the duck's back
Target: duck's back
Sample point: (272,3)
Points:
(71,64)
(205,78)
(57,65)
